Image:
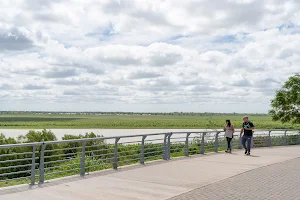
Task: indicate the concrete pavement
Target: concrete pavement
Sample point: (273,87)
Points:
(159,180)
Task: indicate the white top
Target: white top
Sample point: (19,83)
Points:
(228,131)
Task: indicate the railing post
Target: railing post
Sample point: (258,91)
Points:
(33,165)
(252,139)
(217,142)
(202,144)
(82,159)
(169,146)
(186,147)
(42,164)
(269,139)
(142,156)
(115,161)
(240,142)
(165,147)
(284,140)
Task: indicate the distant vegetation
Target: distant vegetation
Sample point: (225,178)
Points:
(119,113)
(41,120)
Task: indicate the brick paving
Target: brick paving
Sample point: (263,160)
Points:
(276,182)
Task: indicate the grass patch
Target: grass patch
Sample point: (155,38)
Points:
(34,121)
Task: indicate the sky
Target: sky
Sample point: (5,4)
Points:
(146,56)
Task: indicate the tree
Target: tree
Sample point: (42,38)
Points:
(37,136)
(90,145)
(41,136)
(286,104)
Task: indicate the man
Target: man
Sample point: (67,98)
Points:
(247,128)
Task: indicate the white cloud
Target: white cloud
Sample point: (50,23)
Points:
(170,55)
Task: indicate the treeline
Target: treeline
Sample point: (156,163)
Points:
(127,113)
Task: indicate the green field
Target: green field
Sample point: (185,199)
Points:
(207,121)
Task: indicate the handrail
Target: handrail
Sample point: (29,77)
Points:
(96,138)
(128,136)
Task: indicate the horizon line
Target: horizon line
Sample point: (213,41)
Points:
(139,112)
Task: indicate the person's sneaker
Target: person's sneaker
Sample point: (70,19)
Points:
(246,151)
(229,151)
(226,151)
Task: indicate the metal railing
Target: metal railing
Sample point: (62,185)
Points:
(40,161)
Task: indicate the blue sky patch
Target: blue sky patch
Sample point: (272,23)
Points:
(287,26)
(225,39)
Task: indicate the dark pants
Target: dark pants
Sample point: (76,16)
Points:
(228,143)
(247,139)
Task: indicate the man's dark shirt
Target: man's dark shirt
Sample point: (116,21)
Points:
(248,125)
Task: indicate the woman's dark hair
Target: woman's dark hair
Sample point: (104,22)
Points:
(229,123)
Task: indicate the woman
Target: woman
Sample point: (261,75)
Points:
(229,130)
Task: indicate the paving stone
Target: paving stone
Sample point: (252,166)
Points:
(277,181)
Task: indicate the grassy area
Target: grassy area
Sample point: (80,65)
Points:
(33,121)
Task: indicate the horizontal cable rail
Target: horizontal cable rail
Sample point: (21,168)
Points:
(40,161)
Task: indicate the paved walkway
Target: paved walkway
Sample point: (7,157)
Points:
(272,173)
(278,181)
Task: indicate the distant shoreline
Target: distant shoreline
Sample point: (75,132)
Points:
(125,113)
(135,121)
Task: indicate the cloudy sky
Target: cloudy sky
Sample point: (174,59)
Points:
(141,55)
